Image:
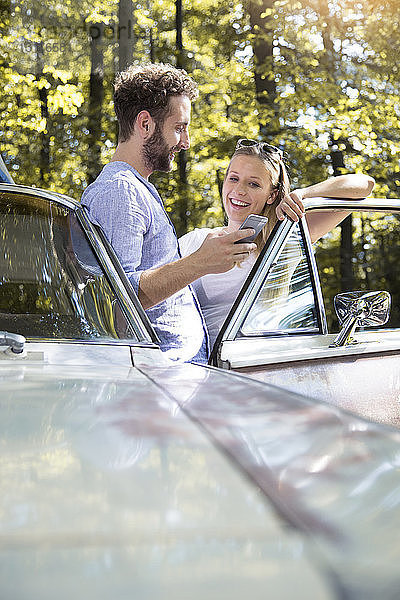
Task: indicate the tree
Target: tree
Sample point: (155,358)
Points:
(263,34)
(96,95)
(126,42)
(257,64)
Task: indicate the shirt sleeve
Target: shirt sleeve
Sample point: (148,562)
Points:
(123,214)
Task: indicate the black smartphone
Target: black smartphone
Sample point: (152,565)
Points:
(255,222)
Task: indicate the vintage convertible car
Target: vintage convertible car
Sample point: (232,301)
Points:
(125,476)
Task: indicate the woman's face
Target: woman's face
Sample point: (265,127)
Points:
(246,189)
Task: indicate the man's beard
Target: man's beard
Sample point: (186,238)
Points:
(156,153)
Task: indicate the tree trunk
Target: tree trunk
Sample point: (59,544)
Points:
(125,34)
(96,94)
(5,14)
(330,61)
(263,30)
(346,229)
(151,39)
(44,159)
(346,254)
(365,254)
(182,226)
(179,34)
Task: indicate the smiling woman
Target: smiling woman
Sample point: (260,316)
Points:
(253,184)
(256,179)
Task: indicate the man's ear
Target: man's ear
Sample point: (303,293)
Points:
(145,124)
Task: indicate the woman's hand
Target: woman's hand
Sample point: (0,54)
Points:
(353,185)
(291,206)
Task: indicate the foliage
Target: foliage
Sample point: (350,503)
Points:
(333,72)
(345,96)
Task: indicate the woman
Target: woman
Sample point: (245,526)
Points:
(256,182)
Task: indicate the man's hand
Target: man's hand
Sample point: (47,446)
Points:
(291,206)
(219,253)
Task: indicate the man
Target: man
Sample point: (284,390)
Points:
(153,105)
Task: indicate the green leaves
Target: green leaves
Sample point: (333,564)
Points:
(330,80)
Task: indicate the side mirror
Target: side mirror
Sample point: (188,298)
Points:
(360,309)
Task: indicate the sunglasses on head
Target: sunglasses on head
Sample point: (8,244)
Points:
(265,149)
(261,146)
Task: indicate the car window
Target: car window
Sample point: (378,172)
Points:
(51,284)
(369,260)
(285,301)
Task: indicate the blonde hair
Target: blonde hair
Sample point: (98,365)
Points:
(273,162)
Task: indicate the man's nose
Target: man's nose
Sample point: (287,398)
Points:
(185,140)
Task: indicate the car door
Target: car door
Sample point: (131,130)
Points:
(277,330)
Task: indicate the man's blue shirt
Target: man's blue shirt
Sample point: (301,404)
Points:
(130,211)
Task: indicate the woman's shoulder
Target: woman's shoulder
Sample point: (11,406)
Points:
(191,241)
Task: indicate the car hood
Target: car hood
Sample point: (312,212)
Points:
(185,481)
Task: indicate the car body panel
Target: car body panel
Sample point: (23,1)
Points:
(367,385)
(110,490)
(328,473)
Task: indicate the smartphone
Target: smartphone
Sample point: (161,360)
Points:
(255,222)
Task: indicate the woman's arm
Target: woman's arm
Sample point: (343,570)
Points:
(344,186)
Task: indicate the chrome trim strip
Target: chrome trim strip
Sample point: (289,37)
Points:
(351,204)
(265,352)
(65,201)
(93,342)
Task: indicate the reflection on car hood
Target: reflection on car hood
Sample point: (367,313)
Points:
(327,472)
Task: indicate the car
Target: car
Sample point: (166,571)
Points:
(125,475)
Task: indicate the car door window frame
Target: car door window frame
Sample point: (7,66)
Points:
(267,259)
(265,262)
(120,285)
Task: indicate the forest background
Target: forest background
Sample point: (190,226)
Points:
(318,78)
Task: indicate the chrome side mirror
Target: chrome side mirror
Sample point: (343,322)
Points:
(359,309)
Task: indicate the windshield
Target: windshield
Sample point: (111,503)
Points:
(51,284)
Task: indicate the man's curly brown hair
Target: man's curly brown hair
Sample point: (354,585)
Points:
(148,87)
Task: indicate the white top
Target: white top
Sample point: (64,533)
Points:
(215,292)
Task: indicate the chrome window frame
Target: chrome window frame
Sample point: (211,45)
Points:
(268,258)
(119,283)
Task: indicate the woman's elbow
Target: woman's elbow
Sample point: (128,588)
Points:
(361,185)
(369,184)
